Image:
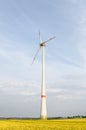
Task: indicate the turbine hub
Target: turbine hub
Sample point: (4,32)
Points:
(42,44)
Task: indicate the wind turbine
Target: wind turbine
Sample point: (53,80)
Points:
(43,112)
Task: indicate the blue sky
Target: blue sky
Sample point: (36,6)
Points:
(20,82)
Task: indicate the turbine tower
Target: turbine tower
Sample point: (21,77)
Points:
(43,112)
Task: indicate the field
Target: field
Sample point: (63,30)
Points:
(63,124)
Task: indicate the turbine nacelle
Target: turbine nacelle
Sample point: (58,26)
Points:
(42,44)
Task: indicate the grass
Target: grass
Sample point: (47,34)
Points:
(63,124)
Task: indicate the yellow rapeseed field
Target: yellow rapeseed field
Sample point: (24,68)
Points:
(63,124)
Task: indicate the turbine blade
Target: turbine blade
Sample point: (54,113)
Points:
(49,39)
(40,38)
(36,54)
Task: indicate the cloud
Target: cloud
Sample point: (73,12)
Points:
(16,87)
(28,93)
(54,90)
(74,95)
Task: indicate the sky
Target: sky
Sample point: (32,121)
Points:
(20,82)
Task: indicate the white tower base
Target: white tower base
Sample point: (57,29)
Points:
(43,107)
